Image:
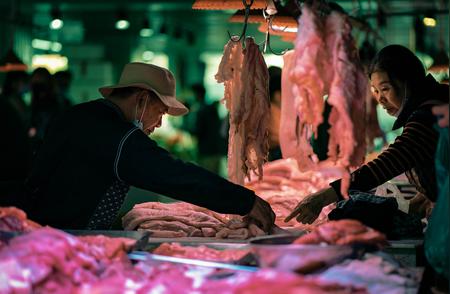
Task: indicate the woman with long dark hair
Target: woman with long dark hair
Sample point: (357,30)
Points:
(400,85)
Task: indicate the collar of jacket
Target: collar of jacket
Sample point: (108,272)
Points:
(114,107)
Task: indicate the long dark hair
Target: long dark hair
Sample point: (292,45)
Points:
(405,71)
(401,65)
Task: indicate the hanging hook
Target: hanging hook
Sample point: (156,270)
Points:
(244,29)
(269,19)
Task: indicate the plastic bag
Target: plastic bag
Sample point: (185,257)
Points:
(437,234)
(391,190)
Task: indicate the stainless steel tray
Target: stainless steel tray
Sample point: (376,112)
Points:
(148,257)
(136,235)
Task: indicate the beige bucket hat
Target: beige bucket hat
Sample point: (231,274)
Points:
(151,77)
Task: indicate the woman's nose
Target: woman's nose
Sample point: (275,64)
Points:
(380,98)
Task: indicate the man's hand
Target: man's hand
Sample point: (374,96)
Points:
(309,208)
(441,111)
(262,215)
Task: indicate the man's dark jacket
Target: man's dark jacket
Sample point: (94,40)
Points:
(91,146)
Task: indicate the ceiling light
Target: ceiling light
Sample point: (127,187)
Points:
(46,45)
(226,4)
(148,55)
(57,22)
(122,22)
(56,47)
(284,29)
(146,30)
(41,44)
(52,62)
(429,21)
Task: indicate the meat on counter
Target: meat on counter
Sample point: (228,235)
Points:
(343,232)
(181,219)
(13,219)
(201,252)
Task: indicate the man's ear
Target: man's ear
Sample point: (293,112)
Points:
(140,98)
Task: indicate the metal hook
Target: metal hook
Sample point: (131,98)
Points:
(244,29)
(267,41)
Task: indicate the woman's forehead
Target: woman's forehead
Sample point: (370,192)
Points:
(380,77)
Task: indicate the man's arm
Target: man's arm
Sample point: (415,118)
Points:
(145,165)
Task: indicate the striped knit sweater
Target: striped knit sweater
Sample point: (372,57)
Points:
(412,152)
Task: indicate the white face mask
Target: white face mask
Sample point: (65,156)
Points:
(138,122)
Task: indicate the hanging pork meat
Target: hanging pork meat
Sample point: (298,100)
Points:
(294,142)
(326,62)
(246,80)
(229,73)
(310,71)
(348,94)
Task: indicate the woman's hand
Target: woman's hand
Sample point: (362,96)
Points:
(441,111)
(309,208)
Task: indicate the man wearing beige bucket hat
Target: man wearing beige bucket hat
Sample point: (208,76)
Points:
(94,152)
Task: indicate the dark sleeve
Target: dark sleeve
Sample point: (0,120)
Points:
(415,145)
(145,165)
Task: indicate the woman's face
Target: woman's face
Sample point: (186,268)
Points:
(384,92)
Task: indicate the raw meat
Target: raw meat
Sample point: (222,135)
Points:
(246,79)
(269,281)
(253,112)
(13,219)
(293,142)
(343,232)
(180,219)
(284,185)
(348,94)
(325,62)
(49,260)
(103,247)
(229,73)
(201,252)
(377,274)
(310,70)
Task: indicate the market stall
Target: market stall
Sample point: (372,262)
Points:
(185,248)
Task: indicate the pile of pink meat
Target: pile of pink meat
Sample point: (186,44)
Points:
(47,260)
(343,232)
(284,185)
(181,219)
(200,252)
(170,278)
(13,219)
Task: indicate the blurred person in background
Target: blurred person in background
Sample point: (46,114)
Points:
(63,80)
(275,112)
(206,129)
(44,104)
(437,235)
(15,151)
